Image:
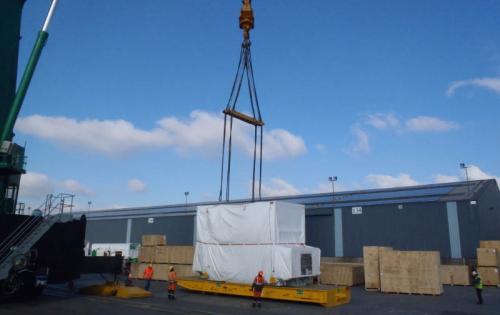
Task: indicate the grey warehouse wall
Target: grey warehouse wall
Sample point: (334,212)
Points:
(178,229)
(468,217)
(488,205)
(106,231)
(418,226)
(319,233)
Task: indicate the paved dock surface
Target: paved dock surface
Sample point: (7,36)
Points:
(58,300)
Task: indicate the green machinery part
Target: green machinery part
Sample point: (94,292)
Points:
(12,159)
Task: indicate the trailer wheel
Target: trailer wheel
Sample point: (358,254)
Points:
(11,285)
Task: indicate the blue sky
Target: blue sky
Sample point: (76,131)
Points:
(125,106)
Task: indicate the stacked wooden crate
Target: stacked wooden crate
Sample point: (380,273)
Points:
(341,273)
(155,251)
(455,274)
(488,261)
(147,252)
(412,272)
(180,257)
(371,264)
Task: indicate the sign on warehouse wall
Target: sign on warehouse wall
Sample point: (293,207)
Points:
(357,210)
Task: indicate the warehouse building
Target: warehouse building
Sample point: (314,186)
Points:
(450,217)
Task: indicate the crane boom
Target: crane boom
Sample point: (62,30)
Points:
(7,129)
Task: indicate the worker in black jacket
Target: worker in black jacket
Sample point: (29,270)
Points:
(257,287)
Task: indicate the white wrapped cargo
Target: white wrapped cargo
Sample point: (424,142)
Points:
(234,242)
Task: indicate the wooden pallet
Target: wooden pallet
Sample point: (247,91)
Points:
(413,293)
(372,289)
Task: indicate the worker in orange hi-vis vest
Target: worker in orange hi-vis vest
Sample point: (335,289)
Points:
(148,275)
(257,287)
(172,283)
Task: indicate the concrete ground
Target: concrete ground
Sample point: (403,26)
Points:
(58,300)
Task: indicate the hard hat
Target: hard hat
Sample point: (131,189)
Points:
(474,273)
(171,268)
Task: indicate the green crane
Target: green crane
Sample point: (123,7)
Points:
(12,159)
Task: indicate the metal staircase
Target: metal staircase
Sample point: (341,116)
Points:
(15,249)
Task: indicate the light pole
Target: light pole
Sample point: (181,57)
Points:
(89,203)
(333,179)
(465,167)
(186,194)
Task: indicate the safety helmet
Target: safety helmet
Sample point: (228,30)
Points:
(171,268)
(474,273)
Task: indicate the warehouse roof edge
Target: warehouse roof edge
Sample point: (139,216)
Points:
(456,191)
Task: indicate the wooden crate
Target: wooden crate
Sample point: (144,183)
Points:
(413,272)
(425,271)
(489,275)
(456,274)
(392,273)
(490,244)
(349,274)
(342,260)
(372,265)
(161,271)
(147,254)
(137,270)
(184,271)
(488,257)
(174,255)
(154,240)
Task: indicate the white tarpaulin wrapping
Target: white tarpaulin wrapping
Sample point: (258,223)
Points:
(234,242)
(251,223)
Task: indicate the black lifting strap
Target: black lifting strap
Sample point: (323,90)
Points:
(244,65)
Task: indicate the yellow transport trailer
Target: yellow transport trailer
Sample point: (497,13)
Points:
(317,294)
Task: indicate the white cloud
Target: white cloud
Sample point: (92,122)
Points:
(362,142)
(390,122)
(382,121)
(279,143)
(278,187)
(440,178)
(73,186)
(320,147)
(200,133)
(104,136)
(492,84)
(475,173)
(35,185)
(136,185)
(326,187)
(388,181)
(429,124)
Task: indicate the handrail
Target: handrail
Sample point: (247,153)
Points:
(31,224)
(20,231)
(20,237)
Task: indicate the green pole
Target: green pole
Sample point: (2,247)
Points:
(23,86)
(7,129)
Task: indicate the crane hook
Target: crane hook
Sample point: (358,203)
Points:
(246,19)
